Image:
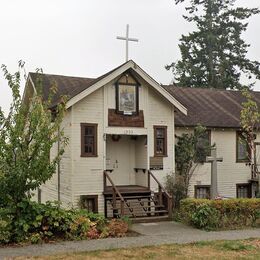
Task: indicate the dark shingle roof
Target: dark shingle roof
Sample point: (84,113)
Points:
(209,107)
(66,85)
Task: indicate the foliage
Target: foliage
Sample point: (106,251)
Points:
(27,134)
(220,214)
(176,187)
(214,55)
(205,217)
(42,222)
(250,120)
(190,151)
(117,228)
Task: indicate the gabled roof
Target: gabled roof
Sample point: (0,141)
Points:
(76,88)
(209,107)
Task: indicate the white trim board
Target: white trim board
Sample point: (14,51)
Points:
(130,64)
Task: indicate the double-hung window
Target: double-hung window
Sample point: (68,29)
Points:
(160,141)
(242,148)
(88,140)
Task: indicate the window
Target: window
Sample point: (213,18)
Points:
(242,149)
(127,94)
(244,190)
(202,191)
(203,147)
(89,202)
(160,140)
(88,140)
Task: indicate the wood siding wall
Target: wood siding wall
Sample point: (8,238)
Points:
(229,171)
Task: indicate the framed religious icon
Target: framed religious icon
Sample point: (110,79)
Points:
(127,98)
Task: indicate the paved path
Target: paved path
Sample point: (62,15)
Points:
(152,234)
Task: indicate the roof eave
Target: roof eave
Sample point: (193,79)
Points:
(130,64)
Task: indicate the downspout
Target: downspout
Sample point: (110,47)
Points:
(58,165)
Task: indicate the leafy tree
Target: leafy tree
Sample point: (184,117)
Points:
(214,55)
(250,122)
(190,151)
(27,134)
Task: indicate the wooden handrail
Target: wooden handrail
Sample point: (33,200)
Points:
(116,191)
(113,186)
(160,185)
(160,189)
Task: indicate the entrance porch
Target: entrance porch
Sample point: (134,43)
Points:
(127,182)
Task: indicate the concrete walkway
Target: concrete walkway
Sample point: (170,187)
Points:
(151,234)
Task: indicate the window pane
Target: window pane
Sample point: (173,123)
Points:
(89,144)
(159,146)
(203,192)
(89,130)
(242,191)
(160,132)
(242,149)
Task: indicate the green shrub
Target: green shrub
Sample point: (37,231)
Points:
(34,222)
(205,217)
(220,214)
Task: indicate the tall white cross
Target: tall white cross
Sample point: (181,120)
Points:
(127,39)
(213,159)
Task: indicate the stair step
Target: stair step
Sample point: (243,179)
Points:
(131,197)
(150,219)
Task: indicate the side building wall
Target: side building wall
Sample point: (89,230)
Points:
(49,190)
(230,172)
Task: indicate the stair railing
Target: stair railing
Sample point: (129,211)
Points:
(161,191)
(116,192)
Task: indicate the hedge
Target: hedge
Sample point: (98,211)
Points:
(220,214)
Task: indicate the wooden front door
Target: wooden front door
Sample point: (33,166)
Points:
(120,159)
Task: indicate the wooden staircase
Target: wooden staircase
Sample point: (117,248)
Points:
(137,202)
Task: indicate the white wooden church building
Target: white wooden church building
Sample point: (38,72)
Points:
(121,129)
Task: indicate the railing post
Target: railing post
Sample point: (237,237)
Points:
(122,208)
(104,180)
(149,180)
(160,195)
(170,207)
(115,213)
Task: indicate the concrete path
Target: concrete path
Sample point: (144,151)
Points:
(151,234)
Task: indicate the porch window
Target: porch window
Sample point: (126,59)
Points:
(202,191)
(89,202)
(244,190)
(88,140)
(160,140)
(242,148)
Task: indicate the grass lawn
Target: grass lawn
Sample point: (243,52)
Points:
(239,249)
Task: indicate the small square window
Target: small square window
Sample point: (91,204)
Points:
(244,190)
(202,191)
(89,202)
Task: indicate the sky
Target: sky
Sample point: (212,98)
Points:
(78,37)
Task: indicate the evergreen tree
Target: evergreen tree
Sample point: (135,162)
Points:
(214,55)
